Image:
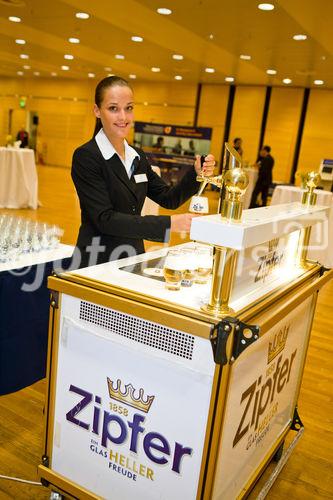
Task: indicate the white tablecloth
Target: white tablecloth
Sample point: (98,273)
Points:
(18,178)
(321,239)
(253,177)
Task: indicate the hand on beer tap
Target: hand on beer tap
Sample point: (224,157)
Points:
(207,169)
(182,222)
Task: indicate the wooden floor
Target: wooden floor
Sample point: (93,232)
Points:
(307,475)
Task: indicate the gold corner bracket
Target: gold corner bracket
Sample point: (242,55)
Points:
(224,269)
(309,198)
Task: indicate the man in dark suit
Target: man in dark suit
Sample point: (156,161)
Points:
(265,163)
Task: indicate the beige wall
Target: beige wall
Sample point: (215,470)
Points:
(246,119)
(281,129)
(317,141)
(66,120)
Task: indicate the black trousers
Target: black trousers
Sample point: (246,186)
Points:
(259,188)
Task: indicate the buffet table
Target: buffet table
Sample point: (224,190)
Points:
(19,182)
(24,312)
(322,235)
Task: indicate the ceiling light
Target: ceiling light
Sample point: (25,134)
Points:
(15,19)
(155,70)
(287,80)
(36,73)
(107,68)
(26,66)
(136,38)
(65,68)
(24,56)
(299,37)
(211,36)
(19,41)
(82,15)
(133,77)
(229,79)
(91,75)
(245,57)
(110,74)
(119,56)
(145,103)
(178,77)
(323,58)
(165,104)
(74,40)
(164,11)
(68,56)
(210,70)
(271,72)
(20,73)
(177,57)
(265,6)
(319,82)
(54,73)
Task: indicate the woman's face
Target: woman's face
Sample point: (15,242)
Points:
(116,111)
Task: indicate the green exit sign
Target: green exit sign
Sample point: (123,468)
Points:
(22,102)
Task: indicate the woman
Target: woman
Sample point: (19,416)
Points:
(112,180)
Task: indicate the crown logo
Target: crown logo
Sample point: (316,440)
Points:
(278,343)
(128,396)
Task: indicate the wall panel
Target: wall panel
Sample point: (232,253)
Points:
(281,128)
(212,113)
(246,119)
(317,142)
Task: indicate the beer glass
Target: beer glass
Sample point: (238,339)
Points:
(204,259)
(173,271)
(190,264)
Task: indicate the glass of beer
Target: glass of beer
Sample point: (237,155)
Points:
(174,267)
(190,263)
(204,259)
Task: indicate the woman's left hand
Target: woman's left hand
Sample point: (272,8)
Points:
(208,166)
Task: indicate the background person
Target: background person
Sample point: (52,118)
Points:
(265,164)
(191,149)
(112,180)
(237,144)
(23,136)
(158,146)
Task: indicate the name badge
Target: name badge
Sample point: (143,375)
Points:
(140,178)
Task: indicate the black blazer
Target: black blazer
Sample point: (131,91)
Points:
(265,170)
(111,203)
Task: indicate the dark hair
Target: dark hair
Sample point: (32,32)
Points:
(267,148)
(109,81)
(237,139)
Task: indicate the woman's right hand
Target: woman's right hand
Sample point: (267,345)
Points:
(182,222)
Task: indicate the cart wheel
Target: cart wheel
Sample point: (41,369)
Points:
(54,495)
(278,454)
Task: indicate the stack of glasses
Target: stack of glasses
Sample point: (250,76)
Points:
(20,236)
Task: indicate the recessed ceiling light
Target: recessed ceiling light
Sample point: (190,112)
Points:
(107,68)
(178,77)
(136,38)
(165,104)
(36,73)
(323,58)
(15,19)
(54,73)
(20,41)
(300,37)
(74,40)
(319,82)
(24,56)
(119,56)
(210,70)
(145,103)
(265,6)
(110,74)
(164,11)
(177,57)
(26,66)
(287,80)
(229,79)
(211,36)
(82,15)
(20,73)
(91,75)
(245,57)
(271,72)
(68,56)
(155,70)
(133,77)
(65,68)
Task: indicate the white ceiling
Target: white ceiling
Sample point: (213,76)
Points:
(208,33)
